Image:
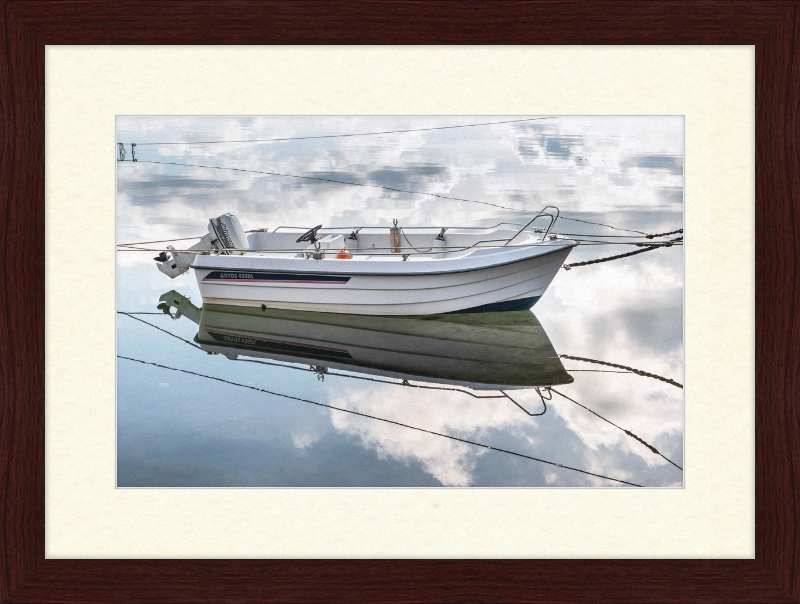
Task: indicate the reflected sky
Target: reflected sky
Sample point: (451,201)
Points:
(220,427)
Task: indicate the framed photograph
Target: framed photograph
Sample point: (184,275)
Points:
(407,334)
(256,377)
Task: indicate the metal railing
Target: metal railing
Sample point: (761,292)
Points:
(350,228)
(539,215)
(450,250)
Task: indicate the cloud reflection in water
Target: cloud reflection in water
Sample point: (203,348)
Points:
(625,171)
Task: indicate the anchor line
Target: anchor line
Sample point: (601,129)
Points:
(300,138)
(646,248)
(161,241)
(630,369)
(610,236)
(388,421)
(601,224)
(358,184)
(665,234)
(342,182)
(628,432)
(157,327)
(654,244)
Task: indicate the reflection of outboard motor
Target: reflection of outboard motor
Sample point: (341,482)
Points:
(225,236)
(182,305)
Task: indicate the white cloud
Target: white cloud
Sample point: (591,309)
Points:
(449,461)
(302,441)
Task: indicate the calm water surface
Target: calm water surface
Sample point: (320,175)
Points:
(225,423)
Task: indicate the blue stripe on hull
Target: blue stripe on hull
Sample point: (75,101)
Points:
(239,276)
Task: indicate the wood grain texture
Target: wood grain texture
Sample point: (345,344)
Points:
(773,27)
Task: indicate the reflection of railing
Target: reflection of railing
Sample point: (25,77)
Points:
(541,395)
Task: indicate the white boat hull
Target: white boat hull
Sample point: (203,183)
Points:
(488,281)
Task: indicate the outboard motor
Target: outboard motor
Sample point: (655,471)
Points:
(225,236)
(228,234)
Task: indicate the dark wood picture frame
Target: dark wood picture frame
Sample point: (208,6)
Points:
(773,27)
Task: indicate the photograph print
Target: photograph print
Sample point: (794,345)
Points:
(463,301)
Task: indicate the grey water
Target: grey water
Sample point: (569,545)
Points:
(188,418)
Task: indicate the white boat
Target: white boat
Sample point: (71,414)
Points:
(374,271)
(483,351)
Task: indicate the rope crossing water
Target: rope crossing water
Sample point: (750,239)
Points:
(388,421)
(406,383)
(631,369)
(628,432)
(646,248)
(300,138)
(358,184)
(169,333)
(342,182)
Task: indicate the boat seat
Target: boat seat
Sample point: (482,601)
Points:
(333,243)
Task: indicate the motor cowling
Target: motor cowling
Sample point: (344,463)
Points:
(227,234)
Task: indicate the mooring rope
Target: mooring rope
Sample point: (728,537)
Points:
(300,138)
(358,184)
(630,369)
(160,241)
(601,224)
(342,182)
(665,234)
(158,328)
(646,248)
(388,421)
(407,384)
(628,432)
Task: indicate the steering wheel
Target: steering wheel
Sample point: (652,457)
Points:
(309,235)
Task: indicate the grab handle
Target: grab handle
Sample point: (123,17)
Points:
(542,213)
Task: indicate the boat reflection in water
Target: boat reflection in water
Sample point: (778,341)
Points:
(481,351)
